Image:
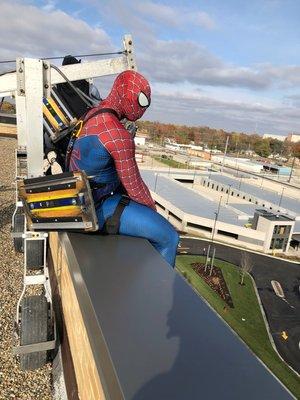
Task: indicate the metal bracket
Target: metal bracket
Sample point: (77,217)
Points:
(35,347)
(20,69)
(128,46)
(46,79)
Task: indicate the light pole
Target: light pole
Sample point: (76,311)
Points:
(207,257)
(212,262)
(194,177)
(156,177)
(225,152)
(229,186)
(240,183)
(290,177)
(279,204)
(215,222)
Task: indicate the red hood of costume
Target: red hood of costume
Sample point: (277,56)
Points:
(123,97)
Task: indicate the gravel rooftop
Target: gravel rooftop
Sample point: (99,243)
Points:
(14,383)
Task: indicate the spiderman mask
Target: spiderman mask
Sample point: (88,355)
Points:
(130,95)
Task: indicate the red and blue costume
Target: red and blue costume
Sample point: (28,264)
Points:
(105,150)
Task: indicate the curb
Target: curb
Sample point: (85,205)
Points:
(241,248)
(268,328)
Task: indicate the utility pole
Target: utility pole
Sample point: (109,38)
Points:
(279,204)
(229,188)
(194,177)
(225,152)
(156,177)
(212,262)
(290,177)
(215,222)
(240,183)
(207,257)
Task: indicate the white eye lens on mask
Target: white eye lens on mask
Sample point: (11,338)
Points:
(143,100)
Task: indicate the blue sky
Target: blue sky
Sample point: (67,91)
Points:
(226,64)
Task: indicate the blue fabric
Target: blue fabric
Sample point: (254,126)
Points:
(93,158)
(141,221)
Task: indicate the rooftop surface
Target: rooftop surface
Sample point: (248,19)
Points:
(176,345)
(187,200)
(261,193)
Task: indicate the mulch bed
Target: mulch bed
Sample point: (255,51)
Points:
(216,281)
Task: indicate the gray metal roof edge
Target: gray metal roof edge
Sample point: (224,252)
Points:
(107,373)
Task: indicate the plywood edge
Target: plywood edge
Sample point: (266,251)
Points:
(87,377)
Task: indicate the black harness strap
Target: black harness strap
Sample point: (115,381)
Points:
(112,224)
(100,111)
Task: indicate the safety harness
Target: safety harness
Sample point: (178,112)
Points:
(112,224)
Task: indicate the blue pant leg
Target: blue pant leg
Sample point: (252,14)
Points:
(141,221)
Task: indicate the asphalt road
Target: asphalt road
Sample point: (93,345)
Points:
(282,314)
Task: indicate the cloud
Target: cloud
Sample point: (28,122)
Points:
(178,61)
(46,32)
(179,17)
(196,109)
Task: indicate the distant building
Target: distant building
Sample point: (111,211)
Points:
(140,141)
(243,164)
(278,228)
(281,138)
(293,138)
(198,152)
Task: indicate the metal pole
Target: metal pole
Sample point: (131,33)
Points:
(156,177)
(290,177)
(228,194)
(240,183)
(194,177)
(207,257)
(216,218)
(279,204)
(212,262)
(225,152)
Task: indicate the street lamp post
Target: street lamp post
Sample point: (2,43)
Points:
(240,183)
(156,178)
(212,262)
(279,204)
(207,257)
(229,186)
(215,222)
(290,177)
(225,152)
(194,177)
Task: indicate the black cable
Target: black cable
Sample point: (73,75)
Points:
(79,55)
(72,86)
(7,72)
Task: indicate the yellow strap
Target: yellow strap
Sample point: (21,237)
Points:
(62,208)
(58,111)
(80,124)
(50,118)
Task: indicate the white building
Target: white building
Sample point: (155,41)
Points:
(243,164)
(293,137)
(281,138)
(140,141)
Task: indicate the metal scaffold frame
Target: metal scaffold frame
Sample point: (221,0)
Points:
(29,84)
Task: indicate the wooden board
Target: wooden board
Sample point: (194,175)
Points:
(8,130)
(87,378)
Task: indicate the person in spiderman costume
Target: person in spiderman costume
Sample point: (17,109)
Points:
(105,150)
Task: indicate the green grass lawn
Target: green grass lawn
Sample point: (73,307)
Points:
(171,163)
(246,306)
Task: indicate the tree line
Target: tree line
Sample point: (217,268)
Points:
(216,139)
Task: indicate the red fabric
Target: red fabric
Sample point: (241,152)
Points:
(123,98)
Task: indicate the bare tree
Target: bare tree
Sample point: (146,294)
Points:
(246,265)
